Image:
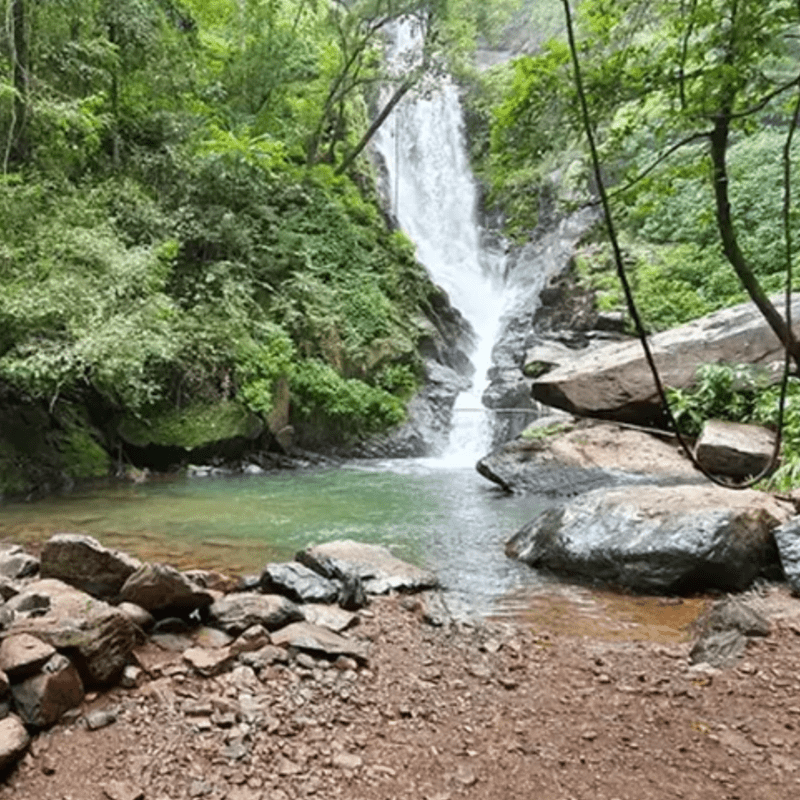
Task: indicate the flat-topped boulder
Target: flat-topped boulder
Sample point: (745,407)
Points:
(613,381)
(163,590)
(734,449)
(305,636)
(562,457)
(379,571)
(657,539)
(238,611)
(299,583)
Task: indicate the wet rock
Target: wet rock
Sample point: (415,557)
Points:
(298,583)
(735,449)
(238,611)
(42,699)
(656,539)
(304,636)
(14,741)
(163,590)
(787,539)
(22,655)
(98,637)
(15,563)
(81,561)
(380,571)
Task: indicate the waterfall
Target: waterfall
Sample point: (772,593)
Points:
(434,199)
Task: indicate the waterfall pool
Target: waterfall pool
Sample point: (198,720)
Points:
(441,517)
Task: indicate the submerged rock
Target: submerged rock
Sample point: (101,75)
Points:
(656,539)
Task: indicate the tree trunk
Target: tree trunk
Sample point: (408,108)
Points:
(19,149)
(730,245)
(400,92)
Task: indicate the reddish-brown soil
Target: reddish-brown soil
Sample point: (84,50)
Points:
(493,711)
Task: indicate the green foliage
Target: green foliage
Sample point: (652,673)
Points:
(259,366)
(343,408)
(743,393)
(83,457)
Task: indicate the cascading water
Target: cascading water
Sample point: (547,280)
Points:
(434,199)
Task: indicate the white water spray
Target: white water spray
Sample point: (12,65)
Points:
(434,199)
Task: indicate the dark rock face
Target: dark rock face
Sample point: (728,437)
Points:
(298,583)
(237,612)
(82,562)
(656,539)
(787,539)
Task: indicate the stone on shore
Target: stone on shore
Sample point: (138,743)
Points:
(15,563)
(14,740)
(298,583)
(97,636)
(304,636)
(42,699)
(657,539)
(378,569)
(163,590)
(23,655)
(82,562)
(238,611)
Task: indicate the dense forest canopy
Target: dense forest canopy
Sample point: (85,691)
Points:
(187,219)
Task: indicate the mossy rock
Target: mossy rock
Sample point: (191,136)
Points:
(192,427)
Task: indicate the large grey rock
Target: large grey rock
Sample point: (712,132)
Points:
(560,457)
(734,449)
(14,741)
(43,698)
(97,636)
(238,611)
(378,569)
(298,582)
(162,589)
(82,562)
(22,655)
(15,563)
(656,539)
(787,538)
(305,636)
(614,381)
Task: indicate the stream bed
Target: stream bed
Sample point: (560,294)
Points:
(441,517)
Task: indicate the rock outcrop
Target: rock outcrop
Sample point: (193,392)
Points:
(614,382)
(657,539)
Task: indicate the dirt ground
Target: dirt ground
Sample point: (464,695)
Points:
(491,710)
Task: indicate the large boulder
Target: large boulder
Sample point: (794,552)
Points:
(82,562)
(41,699)
(377,568)
(97,636)
(614,382)
(657,539)
(162,589)
(14,741)
(561,457)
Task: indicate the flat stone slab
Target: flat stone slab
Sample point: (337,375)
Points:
(305,636)
(329,616)
(238,611)
(614,381)
(379,570)
(657,539)
(22,655)
(81,561)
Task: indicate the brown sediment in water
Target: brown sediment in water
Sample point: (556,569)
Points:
(604,614)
